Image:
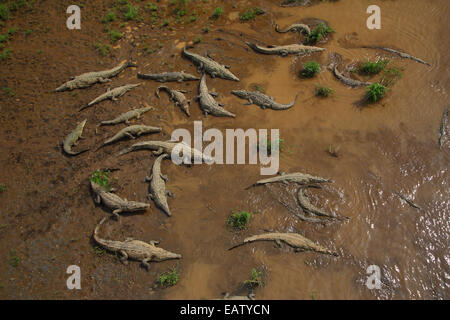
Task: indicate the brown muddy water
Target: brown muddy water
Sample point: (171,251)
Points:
(48,214)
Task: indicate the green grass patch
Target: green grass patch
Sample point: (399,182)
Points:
(256,280)
(239,220)
(168,279)
(109,17)
(4,12)
(318,33)
(9,91)
(198,40)
(115,36)
(28,32)
(278,145)
(373,67)
(251,14)
(217,13)
(101,48)
(3,38)
(5,54)
(375,92)
(102,179)
(2,188)
(310,69)
(99,251)
(323,91)
(132,13)
(14,259)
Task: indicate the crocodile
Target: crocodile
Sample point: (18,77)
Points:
(349,81)
(295,240)
(114,202)
(161,147)
(285,50)
(168,76)
(178,97)
(72,139)
(112,94)
(131,132)
(208,104)
(306,205)
(213,68)
(296,177)
(135,249)
(227,296)
(157,182)
(127,116)
(296,27)
(443,128)
(401,54)
(90,78)
(408,201)
(262,100)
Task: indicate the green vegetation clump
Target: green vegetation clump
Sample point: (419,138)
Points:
(239,220)
(251,14)
(371,67)
(323,91)
(14,260)
(256,279)
(103,49)
(2,188)
(102,179)
(5,54)
(109,17)
(217,13)
(318,33)
(99,251)
(4,12)
(375,92)
(115,36)
(168,279)
(132,13)
(310,69)
(198,40)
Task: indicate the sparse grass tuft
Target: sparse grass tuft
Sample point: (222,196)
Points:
(132,13)
(251,14)
(375,92)
(115,36)
(256,279)
(198,40)
(9,91)
(168,279)
(318,33)
(103,49)
(390,76)
(5,54)
(323,91)
(217,13)
(109,17)
(14,260)
(2,188)
(310,69)
(239,220)
(99,251)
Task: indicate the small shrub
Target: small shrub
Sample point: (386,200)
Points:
(239,220)
(256,280)
(318,33)
(310,69)
(217,13)
(168,279)
(102,48)
(251,14)
(375,92)
(131,13)
(323,92)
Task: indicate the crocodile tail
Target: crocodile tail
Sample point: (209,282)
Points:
(130,64)
(237,245)
(161,88)
(97,228)
(73,153)
(276,28)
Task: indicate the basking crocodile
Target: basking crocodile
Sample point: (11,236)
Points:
(226,296)
(88,79)
(443,128)
(308,207)
(178,97)
(208,104)
(210,66)
(295,240)
(135,249)
(158,181)
(72,139)
(131,132)
(262,100)
(296,27)
(114,202)
(297,177)
(112,94)
(285,50)
(127,116)
(401,54)
(169,76)
(349,81)
(160,147)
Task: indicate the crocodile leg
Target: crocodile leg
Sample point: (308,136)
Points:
(164,177)
(146,264)
(169,194)
(149,178)
(124,257)
(158,152)
(129,135)
(98,199)
(154,242)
